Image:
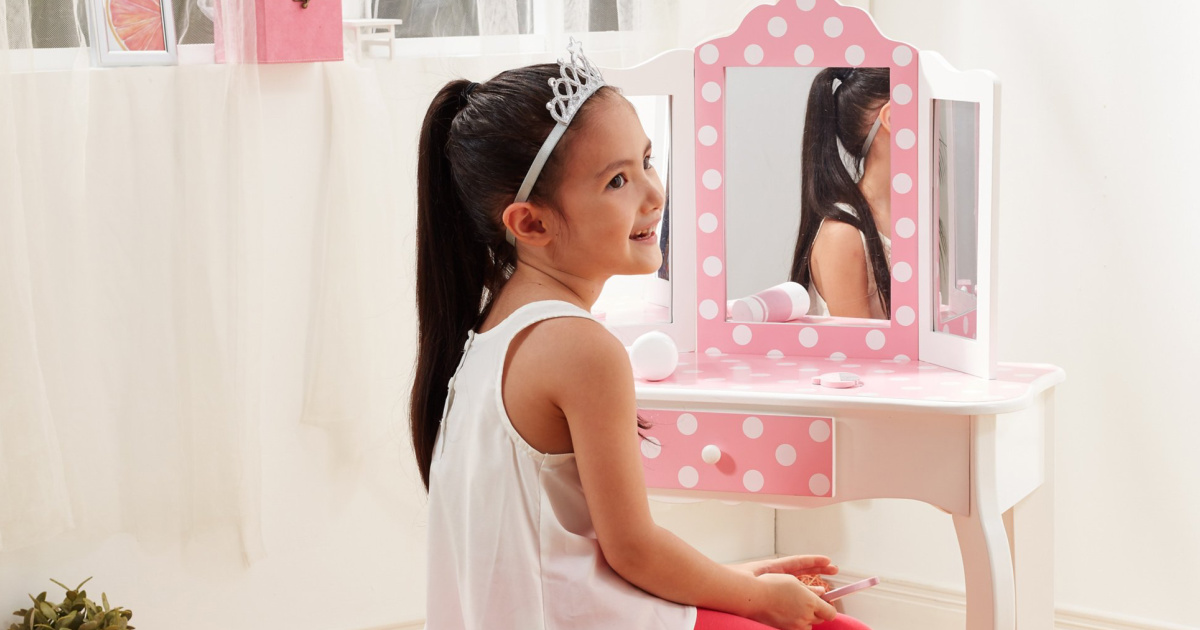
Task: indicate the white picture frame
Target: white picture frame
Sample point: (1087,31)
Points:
(119,36)
(941,81)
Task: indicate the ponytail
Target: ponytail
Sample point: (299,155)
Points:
(450,273)
(833,116)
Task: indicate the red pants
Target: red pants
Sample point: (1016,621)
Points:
(713,620)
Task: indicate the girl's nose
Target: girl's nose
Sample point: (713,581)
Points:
(655,198)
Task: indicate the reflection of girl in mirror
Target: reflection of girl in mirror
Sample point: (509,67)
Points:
(844,245)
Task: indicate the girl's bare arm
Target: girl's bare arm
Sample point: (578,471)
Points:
(588,376)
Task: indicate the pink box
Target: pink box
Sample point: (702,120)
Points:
(289,33)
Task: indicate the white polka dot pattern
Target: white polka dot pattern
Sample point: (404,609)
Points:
(688,477)
(753,54)
(777,26)
(785,454)
(855,55)
(833,27)
(752,480)
(687,424)
(804,54)
(770,454)
(819,431)
(819,485)
(712,266)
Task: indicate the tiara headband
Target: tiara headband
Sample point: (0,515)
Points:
(579,80)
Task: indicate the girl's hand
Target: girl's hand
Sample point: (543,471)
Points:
(789,605)
(791,565)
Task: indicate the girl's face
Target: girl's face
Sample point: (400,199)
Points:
(610,195)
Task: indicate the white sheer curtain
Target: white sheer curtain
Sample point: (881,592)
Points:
(139,212)
(130,282)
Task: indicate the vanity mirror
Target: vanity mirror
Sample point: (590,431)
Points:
(957,196)
(805,113)
(661,93)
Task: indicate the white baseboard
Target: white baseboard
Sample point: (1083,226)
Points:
(899,605)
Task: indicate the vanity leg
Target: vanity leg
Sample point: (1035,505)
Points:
(1030,526)
(983,540)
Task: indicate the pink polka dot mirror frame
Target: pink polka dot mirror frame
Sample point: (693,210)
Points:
(817,33)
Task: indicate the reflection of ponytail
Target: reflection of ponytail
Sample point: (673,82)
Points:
(475,147)
(841,114)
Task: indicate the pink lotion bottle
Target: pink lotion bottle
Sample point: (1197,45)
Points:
(780,303)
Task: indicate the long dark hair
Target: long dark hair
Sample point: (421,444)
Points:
(843,115)
(476,144)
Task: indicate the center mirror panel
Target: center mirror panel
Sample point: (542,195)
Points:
(795,195)
(767,185)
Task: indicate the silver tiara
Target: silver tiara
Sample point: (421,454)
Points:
(579,80)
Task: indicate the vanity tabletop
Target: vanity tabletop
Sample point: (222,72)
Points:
(742,379)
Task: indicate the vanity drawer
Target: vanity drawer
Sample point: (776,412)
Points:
(755,453)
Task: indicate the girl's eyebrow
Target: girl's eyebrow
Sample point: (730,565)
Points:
(620,163)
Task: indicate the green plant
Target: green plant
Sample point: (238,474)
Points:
(76,612)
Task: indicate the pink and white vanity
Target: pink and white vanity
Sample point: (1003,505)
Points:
(935,418)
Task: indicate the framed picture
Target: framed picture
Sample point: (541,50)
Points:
(132,32)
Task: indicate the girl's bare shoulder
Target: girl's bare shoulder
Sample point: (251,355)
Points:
(568,353)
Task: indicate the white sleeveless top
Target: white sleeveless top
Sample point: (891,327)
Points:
(511,543)
(817,304)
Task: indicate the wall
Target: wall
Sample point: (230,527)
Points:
(1097,220)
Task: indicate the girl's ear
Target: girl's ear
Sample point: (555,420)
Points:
(885,115)
(525,221)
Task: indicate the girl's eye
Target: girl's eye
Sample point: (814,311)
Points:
(648,162)
(617,182)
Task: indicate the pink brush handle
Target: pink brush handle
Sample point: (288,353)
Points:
(841,592)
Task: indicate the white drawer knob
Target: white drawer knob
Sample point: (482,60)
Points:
(711,454)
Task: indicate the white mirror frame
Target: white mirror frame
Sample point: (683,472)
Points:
(941,81)
(670,74)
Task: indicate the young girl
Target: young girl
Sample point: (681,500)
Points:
(843,248)
(538,516)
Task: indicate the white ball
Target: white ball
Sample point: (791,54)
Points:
(654,356)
